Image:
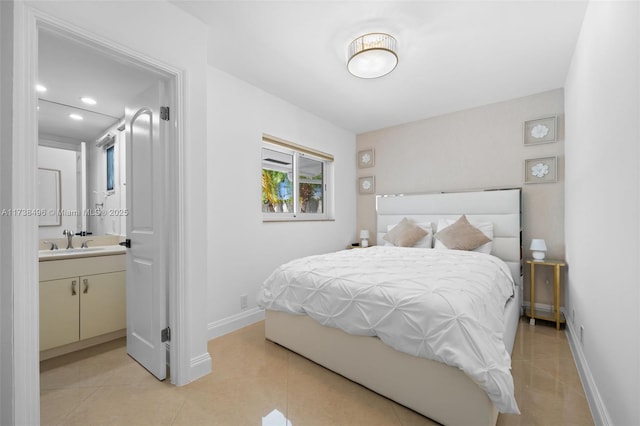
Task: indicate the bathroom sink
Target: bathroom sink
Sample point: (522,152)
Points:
(80,252)
(63,252)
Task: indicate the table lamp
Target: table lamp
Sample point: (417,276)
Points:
(364,238)
(538,248)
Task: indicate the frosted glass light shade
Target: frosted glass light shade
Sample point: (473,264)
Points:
(364,238)
(538,248)
(372,55)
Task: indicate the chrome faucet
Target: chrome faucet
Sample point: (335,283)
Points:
(69,234)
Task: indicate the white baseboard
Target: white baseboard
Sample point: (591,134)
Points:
(234,322)
(199,366)
(596,404)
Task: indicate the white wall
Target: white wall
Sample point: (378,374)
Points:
(474,149)
(65,161)
(244,250)
(602,208)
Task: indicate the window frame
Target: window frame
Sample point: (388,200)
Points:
(110,167)
(297,152)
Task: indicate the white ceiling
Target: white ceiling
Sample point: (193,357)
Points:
(70,70)
(453,55)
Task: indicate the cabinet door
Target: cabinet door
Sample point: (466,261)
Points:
(102,304)
(59,312)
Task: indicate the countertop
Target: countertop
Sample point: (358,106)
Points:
(47,255)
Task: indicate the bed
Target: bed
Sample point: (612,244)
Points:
(431,387)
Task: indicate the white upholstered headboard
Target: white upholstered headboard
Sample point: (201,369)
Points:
(501,207)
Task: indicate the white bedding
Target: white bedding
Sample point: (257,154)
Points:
(445,305)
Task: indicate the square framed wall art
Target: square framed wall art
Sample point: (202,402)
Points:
(541,130)
(366,158)
(541,170)
(367,185)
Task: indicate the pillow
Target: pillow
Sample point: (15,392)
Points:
(461,235)
(405,234)
(424,242)
(485,227)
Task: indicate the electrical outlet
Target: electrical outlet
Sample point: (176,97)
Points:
(582,334)
(243,301)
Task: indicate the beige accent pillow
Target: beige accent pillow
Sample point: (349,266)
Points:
(405,234)
(462,235)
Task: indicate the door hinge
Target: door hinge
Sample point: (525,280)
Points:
(164,113)
(165,335)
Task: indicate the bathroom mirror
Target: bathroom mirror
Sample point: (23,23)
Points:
(49,197)
(81,106)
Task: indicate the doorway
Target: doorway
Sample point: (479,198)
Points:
(83,93)
(188,357)
(112,72)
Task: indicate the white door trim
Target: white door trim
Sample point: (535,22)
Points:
(25,229)
(26,380)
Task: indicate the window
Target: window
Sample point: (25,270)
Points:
(295,182)
(110,169)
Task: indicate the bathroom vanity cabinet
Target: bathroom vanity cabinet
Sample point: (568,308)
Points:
(82,300)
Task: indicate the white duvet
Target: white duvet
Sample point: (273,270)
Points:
(445,305)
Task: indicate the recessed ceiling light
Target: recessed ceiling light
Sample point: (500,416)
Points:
(40,88)
(75,117)
(87,100)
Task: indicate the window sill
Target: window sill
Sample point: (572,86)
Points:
(297,219)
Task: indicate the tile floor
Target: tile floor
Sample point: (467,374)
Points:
(257,382)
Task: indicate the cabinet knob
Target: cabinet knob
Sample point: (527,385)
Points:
(73,287)
(85,281)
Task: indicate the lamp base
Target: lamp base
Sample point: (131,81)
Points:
(538,255)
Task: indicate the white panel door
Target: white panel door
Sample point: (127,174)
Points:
(146,259)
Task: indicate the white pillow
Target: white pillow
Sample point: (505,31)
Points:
(485,227)
(424,242)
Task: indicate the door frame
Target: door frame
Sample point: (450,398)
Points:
(24,240)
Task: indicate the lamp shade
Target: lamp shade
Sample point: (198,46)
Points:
(538,245)
(538,248)
(364,233)
(372,55)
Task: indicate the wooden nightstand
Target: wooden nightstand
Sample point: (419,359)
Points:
(557,317)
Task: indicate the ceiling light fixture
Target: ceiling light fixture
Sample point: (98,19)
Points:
(372,55)
(40,88)
(77,117)
(87,100)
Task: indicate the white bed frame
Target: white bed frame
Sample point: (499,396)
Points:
(436,390)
